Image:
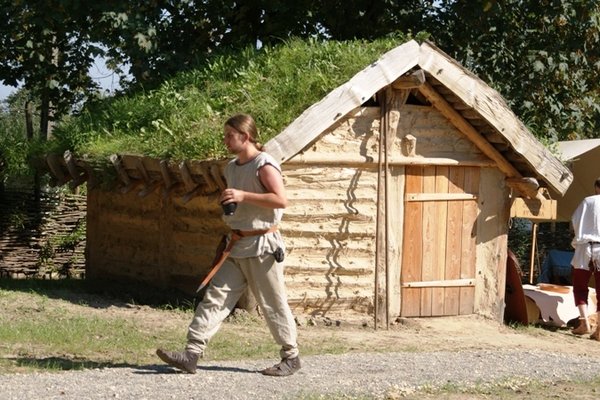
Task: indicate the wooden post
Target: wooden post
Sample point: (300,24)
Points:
(533,250)
(391,102)
(380,248)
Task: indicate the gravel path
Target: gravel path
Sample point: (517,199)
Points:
(356,374)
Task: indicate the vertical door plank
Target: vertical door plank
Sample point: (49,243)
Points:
(412,247)
(440,217)
(430,242)
(395,238)
(470,210)
(454,242)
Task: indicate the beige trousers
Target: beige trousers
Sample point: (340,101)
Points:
(264,276)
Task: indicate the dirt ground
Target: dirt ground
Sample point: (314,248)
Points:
(357,330)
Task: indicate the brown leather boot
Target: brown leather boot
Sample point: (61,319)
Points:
(582,328)
(184,360)
(286,367)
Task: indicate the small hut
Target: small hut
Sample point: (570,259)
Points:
(400,186)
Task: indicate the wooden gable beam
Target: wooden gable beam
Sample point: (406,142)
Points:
(467,129)
(342,100)
(412,81)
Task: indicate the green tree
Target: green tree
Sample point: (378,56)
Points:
(542,55)
(14,146)
(160,38)
(45,47)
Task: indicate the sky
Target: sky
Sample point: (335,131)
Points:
(5,91)
(101,74)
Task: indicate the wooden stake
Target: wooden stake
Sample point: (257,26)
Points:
(149,184)
(186,177)
(122,173)
(166,176)
(211,185)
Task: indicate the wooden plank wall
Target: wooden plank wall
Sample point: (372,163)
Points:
(436,137)
(152,239)
(330,223)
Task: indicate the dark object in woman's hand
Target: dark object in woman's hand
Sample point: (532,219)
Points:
(229,208)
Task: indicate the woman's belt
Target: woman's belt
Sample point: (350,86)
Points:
(223,250)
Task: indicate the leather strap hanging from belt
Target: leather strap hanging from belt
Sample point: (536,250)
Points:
(224,251)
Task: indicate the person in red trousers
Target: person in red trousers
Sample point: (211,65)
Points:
(586,259)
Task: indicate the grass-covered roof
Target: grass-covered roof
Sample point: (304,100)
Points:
(183,118)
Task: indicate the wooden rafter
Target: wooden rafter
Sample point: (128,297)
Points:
(492,108)
(440,103)
(467,129)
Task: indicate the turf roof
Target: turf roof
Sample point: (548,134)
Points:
(183,118)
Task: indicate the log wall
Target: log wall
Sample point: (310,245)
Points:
(154,239)
(330,223)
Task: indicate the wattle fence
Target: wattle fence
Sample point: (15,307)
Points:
(42,238)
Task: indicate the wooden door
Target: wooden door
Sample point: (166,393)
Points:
(438,250)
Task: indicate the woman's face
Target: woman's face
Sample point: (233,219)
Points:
(233,139)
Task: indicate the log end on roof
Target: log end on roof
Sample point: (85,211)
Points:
(186,179)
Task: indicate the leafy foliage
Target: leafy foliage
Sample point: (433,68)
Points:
(543,56)
(183,118)
(14,148)
(46,47)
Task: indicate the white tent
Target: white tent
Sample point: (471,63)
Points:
(583,159)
